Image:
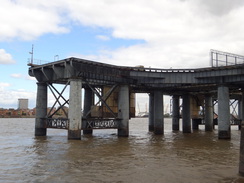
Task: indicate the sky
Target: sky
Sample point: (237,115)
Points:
(153,33)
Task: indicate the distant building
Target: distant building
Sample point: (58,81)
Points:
(23,103)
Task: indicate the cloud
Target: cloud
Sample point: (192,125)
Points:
(219,7)
(27,20)
(3,85)
(177,34)
(5,58)
(9,98)
(30,78)
(21,76)
(16,75)
(102,37)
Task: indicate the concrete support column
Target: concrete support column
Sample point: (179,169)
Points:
(176,113)
(186,115)
(208,113)
(241,162)
(74,131)
(242,108)
(223,113)
(88,102)
(123,111)
(151,112)
(215,120)
(158,113)
(41,109)
(240,112)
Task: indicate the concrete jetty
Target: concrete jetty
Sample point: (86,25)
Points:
(115,88)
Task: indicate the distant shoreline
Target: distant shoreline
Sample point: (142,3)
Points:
(17,116)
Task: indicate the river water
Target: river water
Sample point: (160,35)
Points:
(103,157)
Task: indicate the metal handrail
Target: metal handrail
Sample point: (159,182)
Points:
(220,58)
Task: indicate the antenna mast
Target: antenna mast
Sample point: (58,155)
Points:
(32,52)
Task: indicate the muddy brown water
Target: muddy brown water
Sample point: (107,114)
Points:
(174,157)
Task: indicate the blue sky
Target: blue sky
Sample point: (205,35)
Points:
(157,33)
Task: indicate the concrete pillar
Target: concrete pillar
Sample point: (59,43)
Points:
(241,163)
(215,120)
(195,123)
(123,111)
(151,112)
(88,102)
(186,114)
(74,131)
(208,113)
(240,113)
(41,109)
(242,107)
(158,113)
(176,113)
(194,107)
(223,113)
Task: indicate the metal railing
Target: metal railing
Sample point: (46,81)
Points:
(101,123)
(220,58)
(37,62)
(156,70)
(59,123)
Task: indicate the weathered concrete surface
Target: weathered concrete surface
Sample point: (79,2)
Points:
(158,113)
(123,111)
(186,115)
(151,113)
(223,113)
(41,109)
(208,113)
(241,162)
(74,131)
(176,113)
(88,102)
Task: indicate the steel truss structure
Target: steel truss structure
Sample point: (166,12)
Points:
(102,99)
(235,118)
(58,95)
(92,123)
